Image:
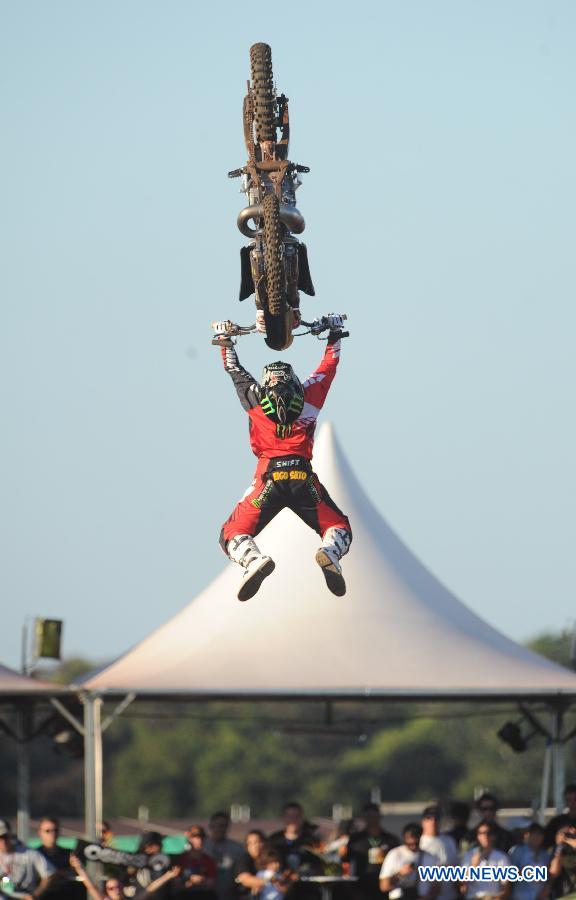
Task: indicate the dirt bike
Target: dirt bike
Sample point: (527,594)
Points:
(274,266)
(226,331)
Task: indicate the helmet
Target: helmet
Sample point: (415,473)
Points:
(282,394)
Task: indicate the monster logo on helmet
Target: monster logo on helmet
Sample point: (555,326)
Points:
(283,396)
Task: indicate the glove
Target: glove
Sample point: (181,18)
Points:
(335,321)
(221,336)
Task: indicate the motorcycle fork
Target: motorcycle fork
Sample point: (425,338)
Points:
(258,267)
(290,261)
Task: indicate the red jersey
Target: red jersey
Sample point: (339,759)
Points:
(264,438)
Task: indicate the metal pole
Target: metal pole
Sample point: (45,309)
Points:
(92,765)
(23,719)
(23,775)
(558,752)
(546,770)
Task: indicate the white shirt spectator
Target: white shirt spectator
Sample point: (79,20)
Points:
(24,868)
(398,857)
(444,849)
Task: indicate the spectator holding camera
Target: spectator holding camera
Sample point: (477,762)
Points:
(565,818)
(399,873)
(563,863)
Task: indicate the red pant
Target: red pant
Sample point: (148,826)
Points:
(278,483)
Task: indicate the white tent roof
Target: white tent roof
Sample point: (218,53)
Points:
(398,632)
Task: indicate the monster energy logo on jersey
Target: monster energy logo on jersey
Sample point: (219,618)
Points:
(275,409)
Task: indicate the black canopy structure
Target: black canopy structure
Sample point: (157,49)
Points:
(26,707)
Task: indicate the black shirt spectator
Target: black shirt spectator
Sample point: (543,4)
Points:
(248,884)
(295,839)
(464,837)
(49,832)
(62,883)
(487,806)
(367,850)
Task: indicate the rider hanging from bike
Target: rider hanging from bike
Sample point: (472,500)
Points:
(283,413)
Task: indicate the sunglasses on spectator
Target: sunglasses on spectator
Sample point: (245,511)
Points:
(487,809)
(484,831)
(197,834)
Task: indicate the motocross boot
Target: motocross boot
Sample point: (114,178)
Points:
(335,544)
(242,550)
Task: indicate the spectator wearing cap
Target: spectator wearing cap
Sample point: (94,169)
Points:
(485,854)
(441,846)
(565,818)
(23,872)
(151,845)
(366,850)
(487,806)
(531,852)
(198,868)
(399,875)
(226,853)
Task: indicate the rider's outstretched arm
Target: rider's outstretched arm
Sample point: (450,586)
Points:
(247,388)
(316,387)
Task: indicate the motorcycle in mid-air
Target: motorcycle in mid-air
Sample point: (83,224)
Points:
(274,266)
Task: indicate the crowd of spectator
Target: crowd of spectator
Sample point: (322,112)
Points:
(366,861)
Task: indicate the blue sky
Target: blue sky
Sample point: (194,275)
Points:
(440,215)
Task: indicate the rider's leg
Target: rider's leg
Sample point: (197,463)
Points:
(258,507)
(315,506)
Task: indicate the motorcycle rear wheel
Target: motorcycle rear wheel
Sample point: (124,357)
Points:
(264,95)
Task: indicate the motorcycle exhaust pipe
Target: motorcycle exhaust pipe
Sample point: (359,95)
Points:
(289,215)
